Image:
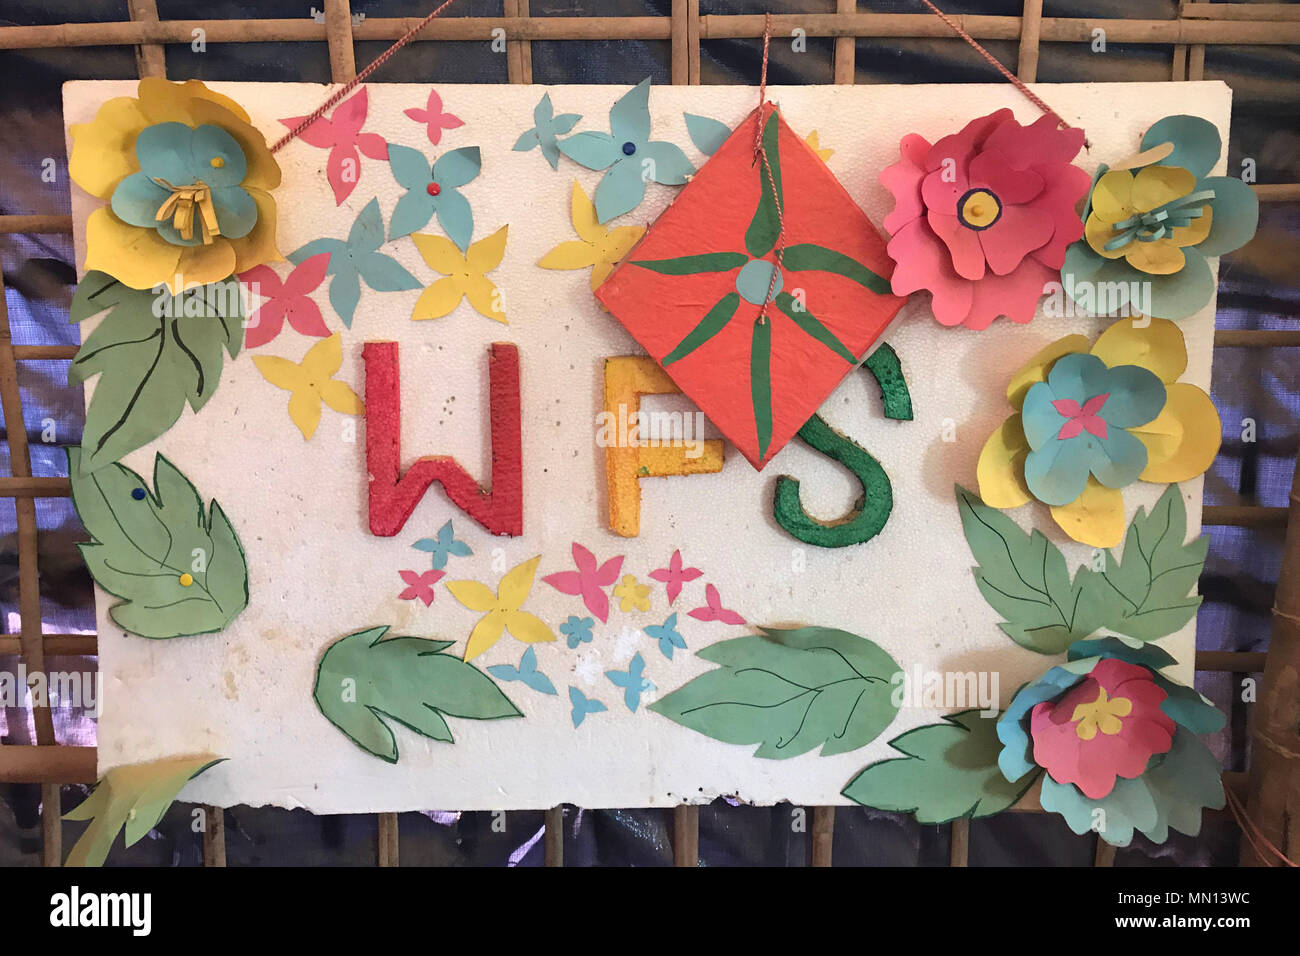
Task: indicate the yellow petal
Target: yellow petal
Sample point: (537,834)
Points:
(1196,232)
(516,584)
(1097,231)
(323,359)
(137,257)
(1001,468)
(583,213)
(258,247)
(438,300)
(1162,435)
(1112,196)
(263,171)
(1157,345)
(475,596)
(574,254)
(1201,434)
(599,273)
(528,627)
(162,102)
(304,409)
(619,242)
(439,254)
(1156,185)
(103,150)
(485,299)
(340,397)
(280,372)
(199,265)
(486,254)
(1096,517)
(1159,258)
(486,633)
(1036,369)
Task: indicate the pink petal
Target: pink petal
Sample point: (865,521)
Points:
(1038,143)
(264,324)
(903,180)
(962,145)
(265,280)
(1014,295)
(566,582)
(1020,231)
(963,244)
(730,617)
(1095,404)
(597,602)
(1067,407)
(923,263)
(309,274)
(584,559)
(304,315)
(1094,425)
(320,134)
(608,572)
(1066,185)
(417,114)
(1070,429)
(1013,187)
(334,171)
(703,614)
(940,194)
(373,145)
(451,122)
(350,115)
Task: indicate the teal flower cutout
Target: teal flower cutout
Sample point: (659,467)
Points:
(1077,424)
(192,176)
(577,630)
(628,154)
(434,190)
(546,126)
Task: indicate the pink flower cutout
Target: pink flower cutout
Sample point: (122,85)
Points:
(1082,418)
(341,135)
(589,580)
(285,300)
(713,609)
(674,575)
(420,585)
(1109,725)
(434,117)
(982,218)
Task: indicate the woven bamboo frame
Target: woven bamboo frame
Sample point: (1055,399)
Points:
(1272,787)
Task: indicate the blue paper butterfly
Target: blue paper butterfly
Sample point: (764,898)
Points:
(632,681)
(526,672)
(443,546)
(582,706)
(667,636)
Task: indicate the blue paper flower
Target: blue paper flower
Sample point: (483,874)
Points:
(1077,423)
(577,630)
(443,546)
(434,190)
(628,154)
(633,681)
(193,175)
(546,126)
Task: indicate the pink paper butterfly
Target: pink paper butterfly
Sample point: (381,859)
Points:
(434,117)
(589,580)
(341,135)
(714,611)
(285,300)
(420,585)
(1082,418)
(674,575)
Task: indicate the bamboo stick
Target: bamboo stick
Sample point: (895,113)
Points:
(694,30)
(1234,662)
(387,835)
(686,836)
(71,645)
(338,34)
(845,47)
(30,352)
(46,763)
(823,835)
(35,225)
(553,838)
(1244,516)
(1242,11)
(150,58)
(1256,338)
(1031,25)
(959,838)
(681,59)
(25,486)
(214,836)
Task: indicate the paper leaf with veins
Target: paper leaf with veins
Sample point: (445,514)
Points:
(150,365)
(177,570)
(789,691)
(363,679)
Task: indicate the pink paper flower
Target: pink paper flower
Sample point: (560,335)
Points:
(420,585)
(713,609)
(675,575)
(285,300)
(434,118)
(341,135)
(589,580)
(983,217)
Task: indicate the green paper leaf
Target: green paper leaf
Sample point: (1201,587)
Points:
(149,365)
(808,255)
(135,797)
(144,548)
(950,771)
(1149,587)
(760,383)
(765,227)
(1025,579)
(363,678)
(789,691)
(713,322)
(694,265)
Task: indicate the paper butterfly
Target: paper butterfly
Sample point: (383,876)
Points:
(588,580)
(526,672)
(443,546)
(632,681)
(434,118)
(341,135)
(714,611)
(675,575)
(582,706)
(667,636)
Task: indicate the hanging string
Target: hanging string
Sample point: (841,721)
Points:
(760,152)
(1254,836)
(1019,84)
(360,78)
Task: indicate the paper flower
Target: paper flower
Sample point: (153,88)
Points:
(311,383)
(597,246)
(983,217)
(633,681)
(433,190)
(463,276)
(433,117)
(814,141)
(188,180)
(341,134)
(667,635)
(1088,422)
(1117,740)
(713,609)
(443,546)
(546,126)
(628,154)
(583,705)
(285,300)
(502,611)
(674,576)
(631,594)
(1150,226)
(590,580)
(419,585)
(577,630)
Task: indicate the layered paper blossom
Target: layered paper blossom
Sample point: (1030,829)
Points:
(982,218)
(188,180)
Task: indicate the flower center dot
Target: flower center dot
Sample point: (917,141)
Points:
(978,209)
(629,148)
(186,580)
(138,494)
(216,162)
(433,189)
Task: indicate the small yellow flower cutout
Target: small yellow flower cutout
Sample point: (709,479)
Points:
(502,609)
(814,140)
(311,383)
(631,595)
(1103,714)
(596,246)
(464,276)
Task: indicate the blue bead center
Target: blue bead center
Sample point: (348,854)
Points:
(629,148)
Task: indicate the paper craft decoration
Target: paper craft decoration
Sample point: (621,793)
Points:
(692,289)
(311,383)
(884,366)
(341,134)
(434,190)
(434,118)
(982,218)
(632,681)
(667,635)
(419,585)
(546,127)
(526,673)
(631,594)
(502,609)
(589,581)
(445,545)
(713,609)
(674,576)
(597,246)
(1090,423)
(577,630)
(707,134)
(583,706)
(463,276)
(1151,225)
(286,300)
(133,798)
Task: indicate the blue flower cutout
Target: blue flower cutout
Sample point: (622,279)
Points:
(434,190)
(546,126)
(633,682)
(1077,424)
(667,635)
(583,705)
(443,546)
(577,630)
(358,258)
(526,672)
(628,154)
(192,176)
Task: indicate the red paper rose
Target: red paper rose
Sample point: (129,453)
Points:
(983,217)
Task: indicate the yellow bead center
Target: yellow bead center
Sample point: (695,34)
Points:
(980,209)
(216,162)
(186,580)
(1103,714)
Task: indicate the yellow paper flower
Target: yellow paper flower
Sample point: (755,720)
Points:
(1181,441)
(813,139)
(631,595)
(464,276)
(104,154)
(311,383)
(1120,198)
(502,609)
(597,246)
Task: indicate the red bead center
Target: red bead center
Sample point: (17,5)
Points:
(433,189)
